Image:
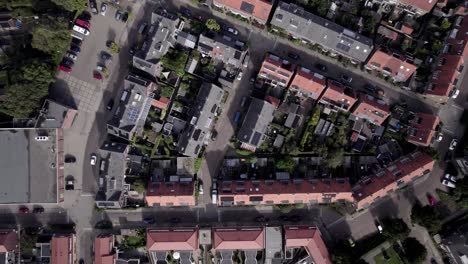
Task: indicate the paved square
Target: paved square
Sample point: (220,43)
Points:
(86,96)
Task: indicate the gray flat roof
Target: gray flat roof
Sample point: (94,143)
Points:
(28,172)
(257,119)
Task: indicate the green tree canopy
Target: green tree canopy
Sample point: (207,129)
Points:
(72,5)
(395,228)
(211,24)
(426,216)
(445,24)
(415,252)
(335,158)
(175,61)
(285,163)
(51,37)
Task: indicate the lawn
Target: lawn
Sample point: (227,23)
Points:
(393,257)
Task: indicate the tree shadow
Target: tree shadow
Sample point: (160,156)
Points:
(61,93)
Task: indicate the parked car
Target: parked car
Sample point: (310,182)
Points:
(83,23)
(370,88)
(142,27)
(118,15)
(70,159)
(261,219)
(106,56)
(448,183)
(239,76)
(200,188)
(75,49)
(186,12)
(450,177)
(23,210)
(76,42)
(346,78)
(455,93)
(351,242)
(103,9)
(100,67)
(110,104)
(379,226)
(321,67)
(293,56)
(246,61)
(38,210)
(69,185)
(439,137)
(243,101)
(81,30)
(93,159)
(93,6)
(229,29)
(214,195)
(71,56)
(453,144)
(149,220)
(97,76)
(214,135)
(431,200)
(64,68)
(67,62)
(125,17)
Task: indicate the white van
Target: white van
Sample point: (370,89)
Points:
(81,30)
(214,196)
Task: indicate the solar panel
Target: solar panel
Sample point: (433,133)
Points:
(246,7)
(343,47)
(256,138)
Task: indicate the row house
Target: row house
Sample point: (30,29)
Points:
(416,7)
(396,66)
(394,176)
(308,83)
(371,109)
(223,48)
(8,246)
(310,28)
(259,10)
(422,129)
(277,71)
(308,238)
(161,242)
(104,249)
(270,192)
(338,96)
(63,249)
(176,193)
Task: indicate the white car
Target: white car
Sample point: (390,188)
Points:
(103,9)
(93,159)
(450,178)
(455,93)
(72,56)
(439,137)
(453,144)
(380,228)
(448,183)
(239,76)
(200,188)
(81,30)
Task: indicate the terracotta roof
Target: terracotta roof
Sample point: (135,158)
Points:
(422,128)
(370,108)
(458,39)
(161,103)
(277,69)
(272,100)
(243,238)
(256,8)
(339,94)
(172,239)
(8,240)
(444,76)
(63,250)
(407,29)
(425,5)
(387,32)
(103,250)
(391,64)
(310,238)
(170,188)
(309,81)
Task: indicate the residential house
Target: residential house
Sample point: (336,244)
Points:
(227,240)
(396,66)
(308,83)
(186,40)
(63,249)
(391,178)
(164,241)
(112,186)
(259,10)
(132,109)
(338,97)
(172,193)
(8,246)
(416,7)
(55,115)
(104,249)
(161,36)
(422,129)
(371,109)
(202,118)
(311,28)
(308,238)
(255,125)
(296,191)
(276,70)
(223,48)
(7,22)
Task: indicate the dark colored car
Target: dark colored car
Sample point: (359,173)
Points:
(214,135)
(186,12)
(174,220)
(23,210)
(38,210)
(70,159)
(106,56)
(93,6)
(76,42)
(75,49)
(125,17)
(149,220)
(109,43)
(97,76)
(321,67)
(293,56)
(110,105)
(370,88)
(67,62)
(118,15)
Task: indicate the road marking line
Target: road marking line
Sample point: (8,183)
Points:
(87,195)
(457,106)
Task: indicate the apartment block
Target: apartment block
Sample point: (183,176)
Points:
(276,70)
(338,96)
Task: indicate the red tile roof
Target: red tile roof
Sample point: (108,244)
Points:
(407,29)
(372,109)
(170,193)
(161,103)
(276,68)
(243,238)
(422,129)
(309,81)
(391,64)
(261,9)
(172,239)
(338,94)
(63,249)
(393,176)
(310,238)
(458,39)
(103,250)
(8,240)
(444,76)
(424,5)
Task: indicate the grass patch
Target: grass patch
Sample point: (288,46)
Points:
(134,242)
(198,163)
(392,257)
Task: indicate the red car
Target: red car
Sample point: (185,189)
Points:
(64,68)
(431,199)
(23,210)
(83,23)
(97,76)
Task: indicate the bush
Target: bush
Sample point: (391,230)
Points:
(134,242)
(285,208)
(415,252)
(426,216)
(175,60)
(244,152)
(395,229)
(285,163)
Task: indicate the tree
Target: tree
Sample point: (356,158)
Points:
(51,36)
(175,61)
(285,163)
(395,228)
(415,252)
(335,158)
(211,24)
(114,48)
(426,216)
(445,24)
(72,5)
(436,46)
(315,118)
